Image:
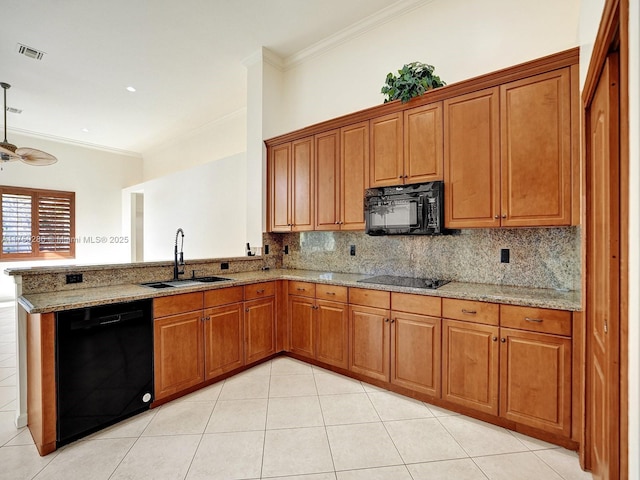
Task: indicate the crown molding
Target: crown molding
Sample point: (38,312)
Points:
(75,143)
(266,56)
(365,25)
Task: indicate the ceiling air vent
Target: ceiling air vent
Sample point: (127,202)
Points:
(30,52)
(14,110)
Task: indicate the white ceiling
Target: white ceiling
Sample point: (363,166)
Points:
(184,58)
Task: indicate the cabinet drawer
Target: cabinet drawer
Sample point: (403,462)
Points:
(418,304)
(174,304)
(471,311)
(222,296)
(543,320)
(334,293)
(259,290)
(370,298)
(304,289)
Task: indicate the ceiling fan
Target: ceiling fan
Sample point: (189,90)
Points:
(9,152)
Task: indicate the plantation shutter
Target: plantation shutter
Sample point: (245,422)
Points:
(37,224)
(17,223)
(54,223)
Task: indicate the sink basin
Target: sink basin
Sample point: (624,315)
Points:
(184,283)
(210,279)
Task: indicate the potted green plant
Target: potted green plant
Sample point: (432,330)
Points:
(412,80)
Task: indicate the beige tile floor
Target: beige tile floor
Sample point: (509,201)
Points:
(283,419)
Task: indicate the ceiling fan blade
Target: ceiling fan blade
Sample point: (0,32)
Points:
(32,156)
(8,155)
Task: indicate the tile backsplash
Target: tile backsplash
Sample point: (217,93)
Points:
(539,257)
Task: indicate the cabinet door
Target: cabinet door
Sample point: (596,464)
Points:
(178,353)
(279,186)
(354,174)
(301,324)
(223,340)
(423,147)
(415,352)
(369,341)
(327,146)
(332,333)
(386,161)
(472,160)
(302,185)
(535,124)
(535,380)
(259,329)
(470,365)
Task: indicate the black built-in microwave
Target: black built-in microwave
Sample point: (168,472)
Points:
(405,209)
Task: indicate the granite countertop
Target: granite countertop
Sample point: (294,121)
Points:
(86,297)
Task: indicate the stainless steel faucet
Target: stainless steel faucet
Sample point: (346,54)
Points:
(178,260)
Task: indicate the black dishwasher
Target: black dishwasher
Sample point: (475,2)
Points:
(104,366)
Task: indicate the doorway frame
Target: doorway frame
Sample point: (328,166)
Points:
(613,31)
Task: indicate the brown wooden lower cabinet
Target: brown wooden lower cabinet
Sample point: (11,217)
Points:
(535,380)
(470,356)
(369,341)
(223,339)
(178,356)
(259,329)
(319,328)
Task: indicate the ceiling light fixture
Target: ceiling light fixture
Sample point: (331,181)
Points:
(9,152)
(131,89)
(85,130)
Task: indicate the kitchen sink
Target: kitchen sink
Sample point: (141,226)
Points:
(184,283)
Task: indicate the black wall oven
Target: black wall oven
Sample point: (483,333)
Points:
(405,209)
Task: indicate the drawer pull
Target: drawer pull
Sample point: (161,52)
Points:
(469,312)
(260,291)
(300,289)
(534,320)
(331,293)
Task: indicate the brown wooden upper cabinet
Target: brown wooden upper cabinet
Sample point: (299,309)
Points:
(291,172)
(342,171)
(406,147)
(507,154)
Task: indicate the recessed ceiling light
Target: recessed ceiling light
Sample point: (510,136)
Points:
(85,130)
(131,89)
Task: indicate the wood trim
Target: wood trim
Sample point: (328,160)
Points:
(624,236)
(551,62)
(41,381)
(577,170)
(609,25)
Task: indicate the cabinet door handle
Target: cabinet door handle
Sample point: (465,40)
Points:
(400,176)
(504,215)
(393,320)
(534,320)
(469,312)
(496,217)
(386,320)
(260,291)
(406,176)
(246,310)
(503,340)
(495,339)
(208,318)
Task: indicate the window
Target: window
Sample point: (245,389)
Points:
(37,224)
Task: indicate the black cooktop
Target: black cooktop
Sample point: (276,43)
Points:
(430,283)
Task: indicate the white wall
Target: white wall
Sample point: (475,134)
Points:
(207,201)
(462,39)
(97,177)
(218,139)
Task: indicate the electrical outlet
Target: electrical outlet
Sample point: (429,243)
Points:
(504,255)
(286,249)
(224,266)
(352,251)
(74,278)
(266,249)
